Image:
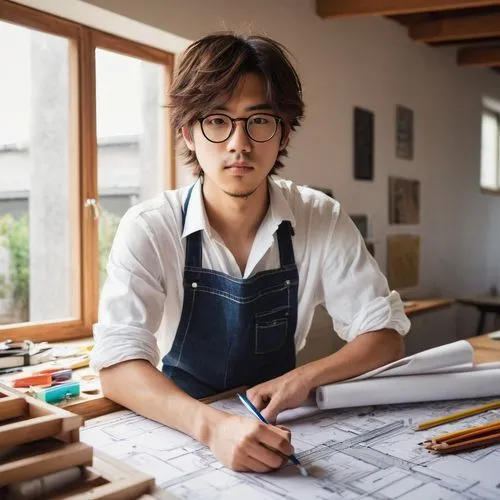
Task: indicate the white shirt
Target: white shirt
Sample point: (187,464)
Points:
(141,301)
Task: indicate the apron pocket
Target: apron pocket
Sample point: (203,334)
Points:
(270,336)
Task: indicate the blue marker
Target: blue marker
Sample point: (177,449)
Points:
(257,414)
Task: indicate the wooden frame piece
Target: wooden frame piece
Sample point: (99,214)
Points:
(12,407)
(26,453)
(461,28)
(33,463)
(344,8)
(479,56)
(39,420)
(124,482)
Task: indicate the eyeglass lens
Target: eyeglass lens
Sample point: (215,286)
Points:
(260,127)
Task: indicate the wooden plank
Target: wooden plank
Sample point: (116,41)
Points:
(35,19)
(12,407)
(89,270)
(463,28)
(134,49)
(486,350)
(125,482)
(420,306)
(344,8)
(47,331)
(30,430)
(124,489)
(45,462)
(69,421)
(479,57)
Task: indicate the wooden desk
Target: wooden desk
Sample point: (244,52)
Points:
(414,307)
(486,350)
(486,304)
(90,406)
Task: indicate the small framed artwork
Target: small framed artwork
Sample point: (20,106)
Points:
(404,133)
(361,222)
(404,201)
(363,143)
(403,260)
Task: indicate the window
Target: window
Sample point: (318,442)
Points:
(83,136)
(490,151)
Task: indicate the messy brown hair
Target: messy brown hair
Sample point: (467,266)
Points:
(209,71)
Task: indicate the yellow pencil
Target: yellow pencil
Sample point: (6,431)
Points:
(458,415)
(453,435)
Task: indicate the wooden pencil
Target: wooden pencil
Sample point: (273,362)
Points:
(469,444)
(457,416)
(452,435)
(465,437)
(481,432)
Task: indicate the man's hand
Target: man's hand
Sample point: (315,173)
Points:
(288,391)
(247,445)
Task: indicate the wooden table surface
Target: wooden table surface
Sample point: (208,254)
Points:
(94,405)
(485,349)
(413,307)
(481,300)
(90,406)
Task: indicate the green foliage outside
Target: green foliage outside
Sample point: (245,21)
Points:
(15,235)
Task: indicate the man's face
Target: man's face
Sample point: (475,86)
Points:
(239,165)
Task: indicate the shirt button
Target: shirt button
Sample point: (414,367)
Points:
(287,282)
(194,284)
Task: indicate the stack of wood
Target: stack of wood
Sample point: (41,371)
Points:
(41,456)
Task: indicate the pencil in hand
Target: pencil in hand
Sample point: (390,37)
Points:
(256,413)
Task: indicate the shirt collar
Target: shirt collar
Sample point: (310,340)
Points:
(196,216)
(279,207)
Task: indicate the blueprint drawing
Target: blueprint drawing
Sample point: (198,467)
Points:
(364,452)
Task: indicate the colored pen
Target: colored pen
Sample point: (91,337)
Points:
(257,414)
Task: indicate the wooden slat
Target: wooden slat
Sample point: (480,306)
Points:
(463,28)
(27,431)
(12,407)
(41,464)
(133,49)
(69,421)
(125,482)
(49,331)
(344,8)
(479,56)
(35,19)
(88,175)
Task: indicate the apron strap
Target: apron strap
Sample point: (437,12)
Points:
(193,241)
(285,233)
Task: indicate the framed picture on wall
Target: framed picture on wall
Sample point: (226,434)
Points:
(403,260)
(363,134)
(404,201)
(404,133)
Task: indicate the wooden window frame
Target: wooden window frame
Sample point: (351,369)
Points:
(496,115)
(83,41)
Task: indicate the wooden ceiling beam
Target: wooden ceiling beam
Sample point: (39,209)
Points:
(479,56)
(344,8)
(463,28)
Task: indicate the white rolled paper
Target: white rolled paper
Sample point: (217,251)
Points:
(410,389)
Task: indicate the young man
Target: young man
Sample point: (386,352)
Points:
(223,277)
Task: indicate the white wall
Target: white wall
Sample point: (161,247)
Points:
(371,62)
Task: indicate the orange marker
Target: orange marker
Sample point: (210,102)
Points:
(42,379)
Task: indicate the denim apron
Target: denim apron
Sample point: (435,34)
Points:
(233,331)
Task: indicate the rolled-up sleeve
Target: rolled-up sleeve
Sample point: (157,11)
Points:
(356,293)
(132,299)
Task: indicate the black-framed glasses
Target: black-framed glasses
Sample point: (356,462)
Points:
(260,127)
